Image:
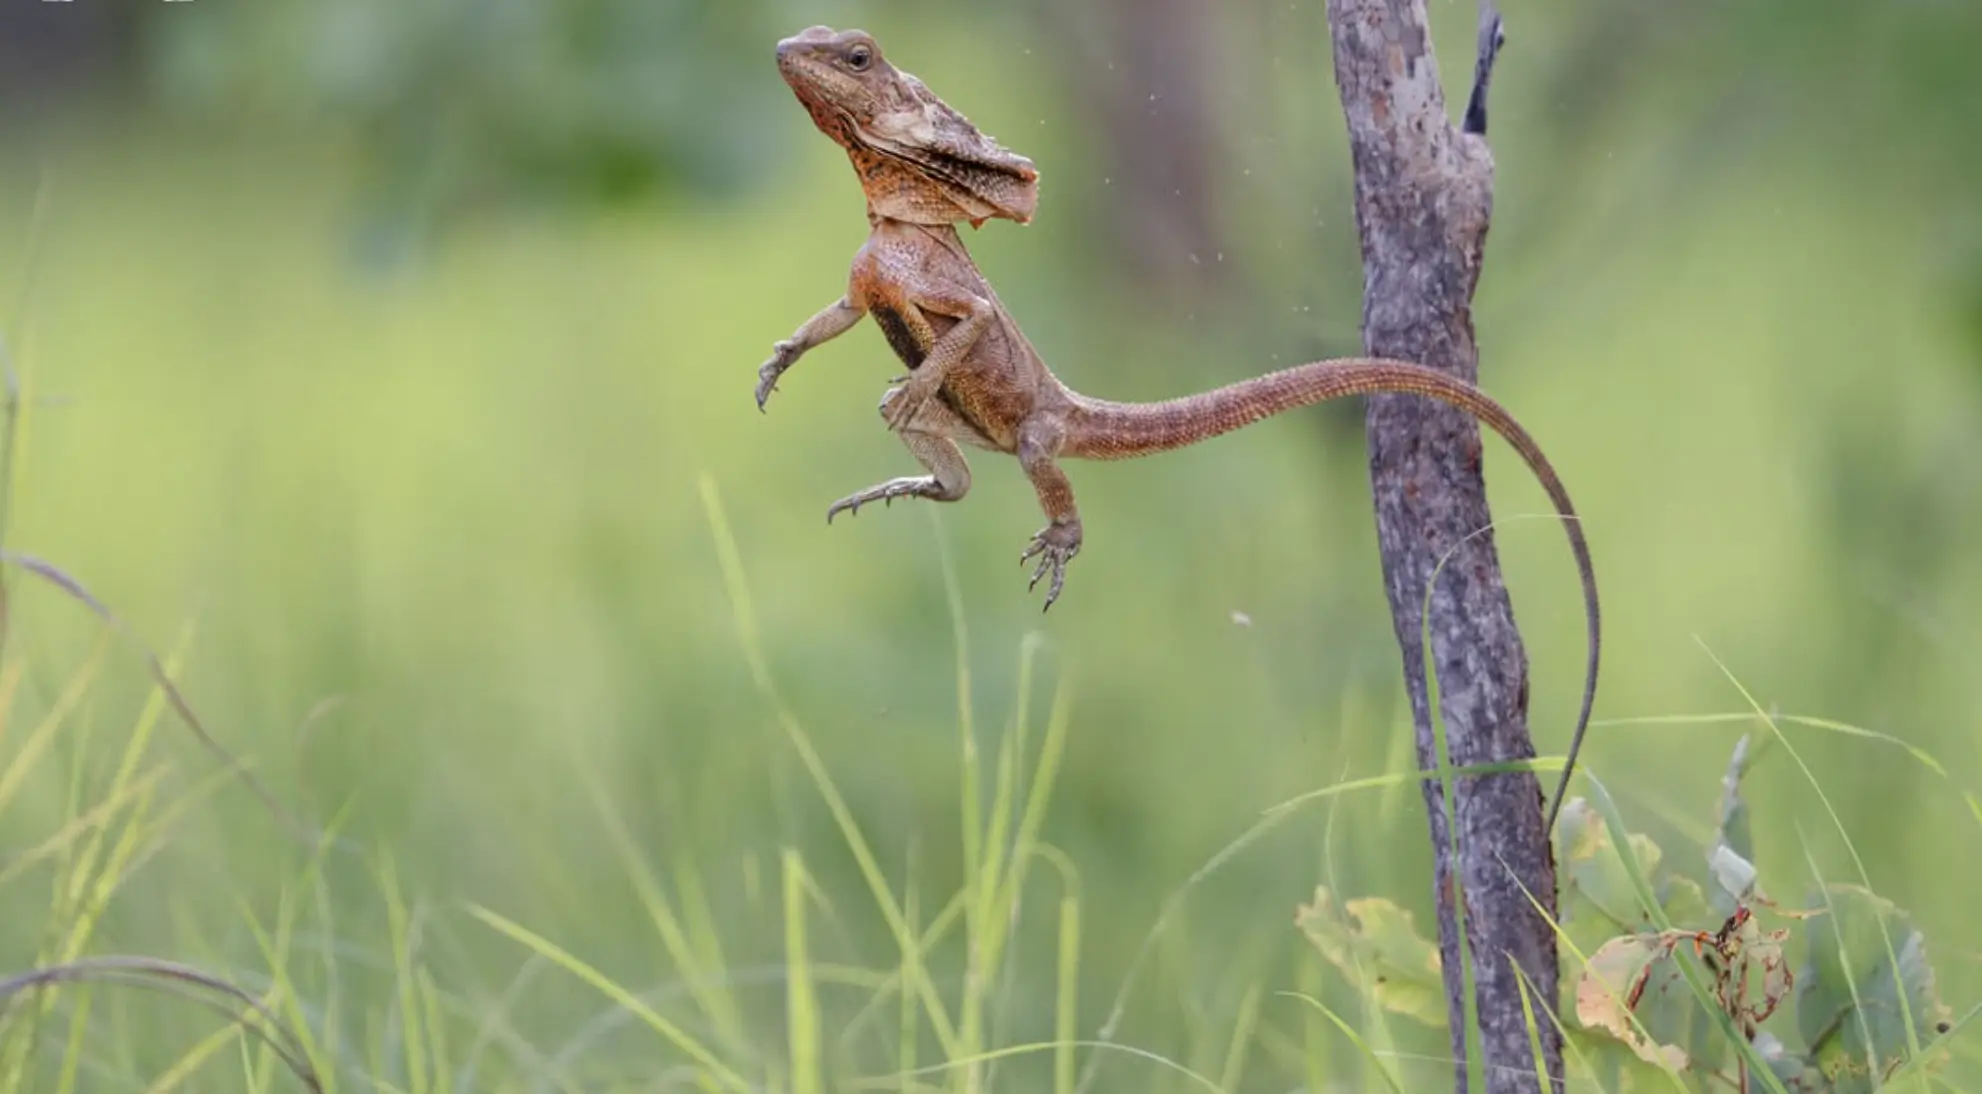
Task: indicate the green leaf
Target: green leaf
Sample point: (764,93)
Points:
(1596,873)
(1732,858)
(1377,947)
(1599,900)
(1855,996)
(1633,991)
(1796,1073)
(1734,878)
(1685,903)
(1733,830)
(1613,1067)
(1607,995)
(1757,980)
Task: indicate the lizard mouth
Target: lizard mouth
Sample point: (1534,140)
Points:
(792,65)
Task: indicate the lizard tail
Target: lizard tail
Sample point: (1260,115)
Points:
(1112,431)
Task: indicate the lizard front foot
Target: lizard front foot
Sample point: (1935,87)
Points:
(900,404)
(914,486)
(783,354)
(1055,545)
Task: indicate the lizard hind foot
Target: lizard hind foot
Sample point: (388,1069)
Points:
(913,486)
(1054,545)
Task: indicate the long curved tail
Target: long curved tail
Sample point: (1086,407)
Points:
(1112,431)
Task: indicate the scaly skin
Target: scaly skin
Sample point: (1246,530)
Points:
(974,379)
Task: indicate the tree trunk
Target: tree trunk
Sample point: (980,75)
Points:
(1424,196)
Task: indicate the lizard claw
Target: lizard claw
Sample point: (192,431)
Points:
(913,486)
(1054,545)
(782,356)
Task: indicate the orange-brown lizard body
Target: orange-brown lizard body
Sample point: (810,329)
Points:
(974,379)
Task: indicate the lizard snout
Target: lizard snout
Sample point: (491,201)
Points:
(797,43)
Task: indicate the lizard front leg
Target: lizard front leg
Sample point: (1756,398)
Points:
(1056,544)
(973,314)
(832,321)
(928,439)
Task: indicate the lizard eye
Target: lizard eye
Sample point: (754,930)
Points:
(859,57)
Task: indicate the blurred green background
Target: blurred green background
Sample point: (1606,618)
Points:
(374,353)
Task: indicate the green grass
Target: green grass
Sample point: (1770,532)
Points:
(830,1033)
(494,571)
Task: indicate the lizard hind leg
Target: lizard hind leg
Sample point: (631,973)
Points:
(949,473)
(1056,544)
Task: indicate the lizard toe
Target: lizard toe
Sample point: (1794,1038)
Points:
(885,493)
(1053,546)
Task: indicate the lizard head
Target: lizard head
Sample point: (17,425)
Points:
(918,160)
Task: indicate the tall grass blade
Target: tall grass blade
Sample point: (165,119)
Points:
(822,780)
(1378,1064)
(801,996)
(1066,996)
(173,978)
(55,576)
(674,1035)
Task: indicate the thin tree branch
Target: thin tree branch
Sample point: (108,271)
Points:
(1424,199)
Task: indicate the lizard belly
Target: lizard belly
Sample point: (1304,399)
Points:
(988,390)
(971,402)
(982,419)
(900,338)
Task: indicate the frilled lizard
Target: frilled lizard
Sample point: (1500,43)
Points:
(974,379)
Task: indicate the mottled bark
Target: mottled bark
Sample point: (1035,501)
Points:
(1424,196)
